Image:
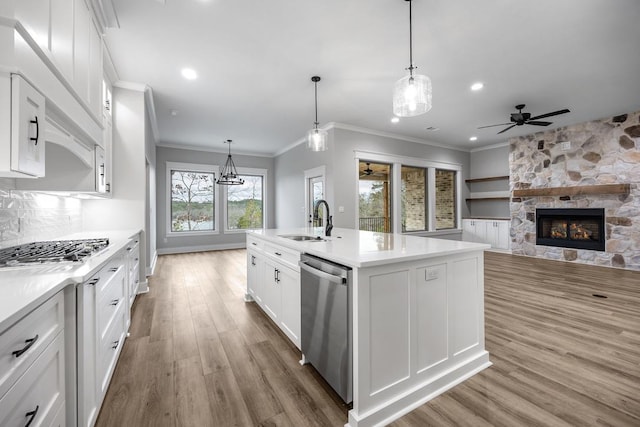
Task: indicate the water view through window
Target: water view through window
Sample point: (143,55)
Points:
(192,201)
(245,204)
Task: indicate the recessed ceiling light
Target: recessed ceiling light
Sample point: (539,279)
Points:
(477,86)
(174,112)
(395,119)
(189,74)
(473,138)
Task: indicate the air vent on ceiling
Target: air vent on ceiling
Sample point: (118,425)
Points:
(432,129)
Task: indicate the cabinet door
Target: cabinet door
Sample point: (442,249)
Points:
(290,314)
(468,230)
(271,289)
(95,70)
(62,36)
(34,16)
(81,49)
(100,171)
(254,277)
(503,238)
(480,230)
(27,128)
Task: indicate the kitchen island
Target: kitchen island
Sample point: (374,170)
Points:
(417,310)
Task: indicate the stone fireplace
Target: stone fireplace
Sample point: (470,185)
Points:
(563,169)
(570,228)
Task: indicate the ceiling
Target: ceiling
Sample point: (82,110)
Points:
(255,59)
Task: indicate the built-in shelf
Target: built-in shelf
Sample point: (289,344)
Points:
(487,179)
(574,191)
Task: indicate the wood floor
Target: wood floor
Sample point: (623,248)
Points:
(199,356)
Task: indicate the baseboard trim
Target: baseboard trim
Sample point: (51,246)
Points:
(154,260)
(202,248)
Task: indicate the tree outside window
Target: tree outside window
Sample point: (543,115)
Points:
(245,204)
(192,201)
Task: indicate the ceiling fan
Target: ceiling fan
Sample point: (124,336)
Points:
(520,118)
(370,172)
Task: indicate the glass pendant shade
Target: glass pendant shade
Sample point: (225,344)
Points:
(317,140)
(412,96)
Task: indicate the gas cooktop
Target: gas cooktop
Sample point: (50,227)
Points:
(54,251)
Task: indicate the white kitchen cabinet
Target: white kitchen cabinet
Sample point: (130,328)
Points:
(95,72)
(81,49)
(290,305)
(61,39)
(133,268)
(271,293)
(273,281)
(24,155)
(34,16)
(32,368)
(254,275)
(101,327)
(493,232)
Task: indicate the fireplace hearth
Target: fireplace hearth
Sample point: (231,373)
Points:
(571,228)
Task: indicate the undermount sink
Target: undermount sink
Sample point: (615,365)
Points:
(303,238)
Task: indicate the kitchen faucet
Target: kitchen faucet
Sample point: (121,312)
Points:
(316,206)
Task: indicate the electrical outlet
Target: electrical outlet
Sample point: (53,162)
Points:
(340,208)
(430,274)
(565,145)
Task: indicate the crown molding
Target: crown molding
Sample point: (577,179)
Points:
(394,136)
(210,149)
(491,147)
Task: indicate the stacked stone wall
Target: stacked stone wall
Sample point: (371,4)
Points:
(599,152)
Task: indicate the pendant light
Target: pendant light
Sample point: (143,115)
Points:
(229,174)
(317,138)
(412,93)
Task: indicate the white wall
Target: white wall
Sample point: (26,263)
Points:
(341,172)
(489,162)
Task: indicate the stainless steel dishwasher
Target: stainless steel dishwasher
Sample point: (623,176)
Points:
(326,321)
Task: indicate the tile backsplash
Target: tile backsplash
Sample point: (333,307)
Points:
(27,216)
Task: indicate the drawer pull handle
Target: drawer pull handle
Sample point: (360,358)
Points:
(278,253)
(115,302)
(115,344)
(129,249)
(31,415)
(136,259)
(93,282)
(113,269)
(254,243)
(35,122)
(29,343)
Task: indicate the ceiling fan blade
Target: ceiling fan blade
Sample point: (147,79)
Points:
(506,129)
(555,113)
(538,123)
(490,126)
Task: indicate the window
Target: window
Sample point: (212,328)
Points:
(374,199)
(413,203)
(245,203)
(192,198)
(407,194)
(316,192)
(445,199)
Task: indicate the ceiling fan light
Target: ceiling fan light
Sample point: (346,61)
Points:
(412,96)
(317,140)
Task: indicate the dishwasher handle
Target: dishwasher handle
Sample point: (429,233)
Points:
(319,273)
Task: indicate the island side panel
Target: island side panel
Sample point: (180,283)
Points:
(418,330)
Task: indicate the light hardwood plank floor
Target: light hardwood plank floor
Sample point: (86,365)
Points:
(198,355)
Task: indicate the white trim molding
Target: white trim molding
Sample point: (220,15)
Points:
(201,248)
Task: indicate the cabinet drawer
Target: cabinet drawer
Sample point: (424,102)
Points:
(42,387)
(112,297)
(102,278)
(285,256)
(108,349)
(254,243)
(44,323)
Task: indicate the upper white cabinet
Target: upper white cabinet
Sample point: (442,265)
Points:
(61,41)
(81,49)
(22,153)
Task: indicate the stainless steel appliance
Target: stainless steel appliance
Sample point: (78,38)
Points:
(326,321)
(54,251)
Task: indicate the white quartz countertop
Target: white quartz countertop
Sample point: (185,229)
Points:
(24,288)
(357,248)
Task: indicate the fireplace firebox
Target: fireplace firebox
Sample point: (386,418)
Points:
(571,228)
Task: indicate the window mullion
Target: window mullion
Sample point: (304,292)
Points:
(431,199)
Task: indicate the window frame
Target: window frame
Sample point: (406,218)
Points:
(223,197)
(396,189)
(191,167)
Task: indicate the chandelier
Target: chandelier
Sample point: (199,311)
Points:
(229,173)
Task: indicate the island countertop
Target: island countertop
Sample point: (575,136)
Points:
(356,248)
